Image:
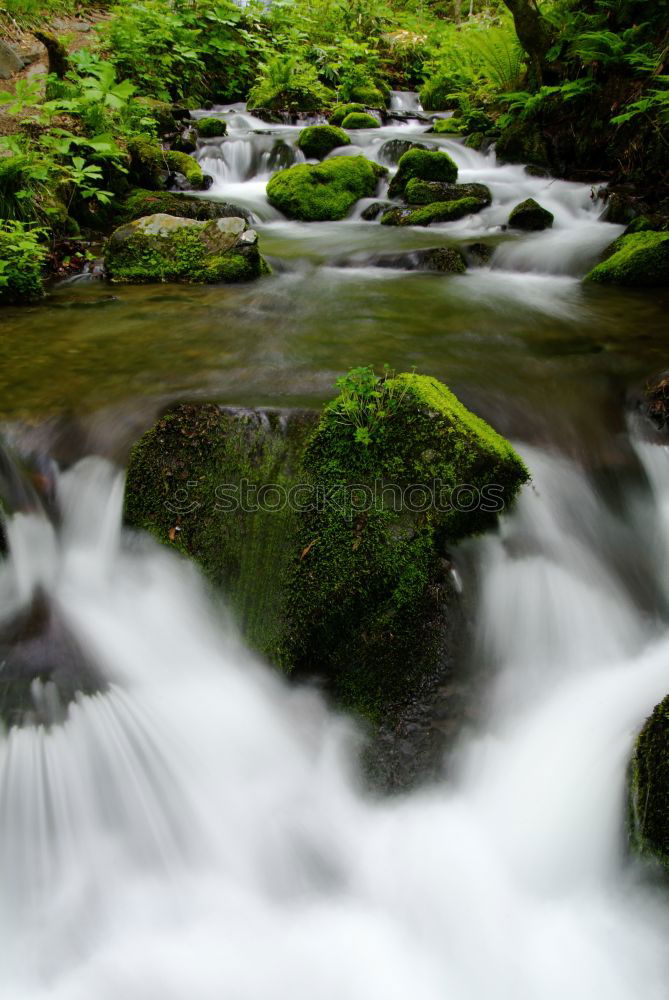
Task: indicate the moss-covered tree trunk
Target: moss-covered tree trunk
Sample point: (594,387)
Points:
(534,35)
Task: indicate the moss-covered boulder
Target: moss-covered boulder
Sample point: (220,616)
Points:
(419,192)
(649,788)
(368,95)
(150,165)
(640,260)
(165,248)
(389,458)
(335,557)
(360,119)
(393,150)
(316,141)
(426,165)
(530,216)
(341,111)
(140,203)
(211,128)
(440,211)
(324,191)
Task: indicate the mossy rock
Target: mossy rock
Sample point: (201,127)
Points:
(440,211)
(444,260)
(149,163)
(476,140)
(211,128)
(394,149)
(140,203)
(177,489)
(640,260)
(360,119)
(363,606)
(324,191)
(649,788)
(426,165)
(341,111)
(530,216)
(316,141)
(419,192)
(447,126)
(369,96)
(165,248)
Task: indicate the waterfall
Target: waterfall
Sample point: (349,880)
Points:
(199,828)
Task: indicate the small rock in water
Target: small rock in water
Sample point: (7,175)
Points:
(530,216)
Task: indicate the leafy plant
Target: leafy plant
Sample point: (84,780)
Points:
(366,400)
(286,83)
(22,256)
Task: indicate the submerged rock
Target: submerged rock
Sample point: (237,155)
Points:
(316,141)
(530,216)
(324,191)
(360,119)
(639,260)
(446,260)
(165,248)
(426,165)
(440,211)
(649,788)
(655,403)
(373,211)
(420,192)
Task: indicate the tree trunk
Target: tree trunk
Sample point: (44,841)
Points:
(533,34)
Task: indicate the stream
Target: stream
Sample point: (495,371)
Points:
(200,828)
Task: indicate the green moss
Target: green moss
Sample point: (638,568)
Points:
(447,126)
(211,128)
(475,140)
(316,141)
(177,489)
(639,260)
(149,162)
(324,191)
(522,142)
(530,216)
(649,788)
(440,211)
(160,248)
(341,111)
(363,605)
(419,192)
(426,165)
(360,119)
(369,96)
(161,112)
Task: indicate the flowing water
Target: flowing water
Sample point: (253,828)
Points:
(199,828)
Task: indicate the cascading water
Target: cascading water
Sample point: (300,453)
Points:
(198,829)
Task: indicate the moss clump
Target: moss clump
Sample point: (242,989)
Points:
(149,163)
(476,140)
(447,126)
(530,216)
(164,248)
(426,165)
(360,119)
(324,191)
(364,604)
(522,142)
(316,141)
(140,203)
(649,787)
(341,111)
(640,260)
(161,112)
(22,258)
(440,211)
(369,96)
(419,192)
(211,128)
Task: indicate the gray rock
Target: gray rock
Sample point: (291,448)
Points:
(10,61)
